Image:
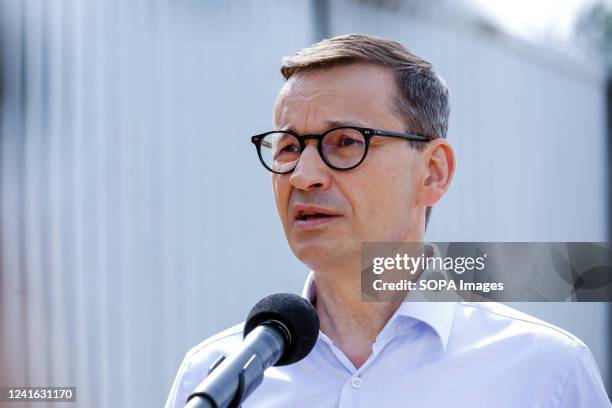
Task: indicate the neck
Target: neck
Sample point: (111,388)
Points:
(351,324)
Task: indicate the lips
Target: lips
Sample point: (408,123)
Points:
(302,212)
(305,216)
(308,216)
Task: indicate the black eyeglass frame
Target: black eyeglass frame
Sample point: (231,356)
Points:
(367,133)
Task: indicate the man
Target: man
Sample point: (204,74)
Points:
(359,154)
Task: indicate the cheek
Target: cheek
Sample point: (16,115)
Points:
(282,190)
(402,188)
(386,197)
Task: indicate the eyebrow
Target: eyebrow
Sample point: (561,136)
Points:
(330,124)
(333,124)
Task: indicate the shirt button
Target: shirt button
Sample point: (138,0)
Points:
(356,382)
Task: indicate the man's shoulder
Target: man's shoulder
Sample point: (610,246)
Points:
(505,324)
(198,361)
(532,350)
(220,343)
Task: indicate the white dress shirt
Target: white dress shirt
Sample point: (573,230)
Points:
(429,354)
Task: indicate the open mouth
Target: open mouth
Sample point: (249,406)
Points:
(307,216)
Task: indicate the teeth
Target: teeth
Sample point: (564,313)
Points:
(305,216)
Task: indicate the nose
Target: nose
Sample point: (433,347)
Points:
(310,172)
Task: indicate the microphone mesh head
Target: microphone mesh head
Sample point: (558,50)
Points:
(297,314)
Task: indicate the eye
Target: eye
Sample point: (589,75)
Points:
(348,141)
(284,143)
(291,148)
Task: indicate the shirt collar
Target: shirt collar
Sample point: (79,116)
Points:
(438,315)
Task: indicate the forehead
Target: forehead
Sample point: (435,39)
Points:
(355,93)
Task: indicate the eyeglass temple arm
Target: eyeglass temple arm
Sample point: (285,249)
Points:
(408,136)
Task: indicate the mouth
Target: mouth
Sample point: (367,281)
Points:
(308,218)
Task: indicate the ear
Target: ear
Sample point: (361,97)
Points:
(439,169)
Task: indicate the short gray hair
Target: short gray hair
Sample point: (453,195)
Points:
(422,98)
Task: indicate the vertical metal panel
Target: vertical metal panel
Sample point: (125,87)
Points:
(121,148)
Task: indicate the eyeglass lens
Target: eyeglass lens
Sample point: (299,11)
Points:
(342,148)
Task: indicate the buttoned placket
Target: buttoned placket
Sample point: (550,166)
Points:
(355,383)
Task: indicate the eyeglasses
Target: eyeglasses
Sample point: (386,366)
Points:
(341,148)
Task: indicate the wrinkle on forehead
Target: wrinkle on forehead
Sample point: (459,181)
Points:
(304,110)
(296,95)
(359,93)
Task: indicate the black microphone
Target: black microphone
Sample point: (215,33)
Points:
(281,329)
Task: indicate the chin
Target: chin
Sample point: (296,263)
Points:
(318,254)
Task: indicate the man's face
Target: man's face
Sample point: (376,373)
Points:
(377,201)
